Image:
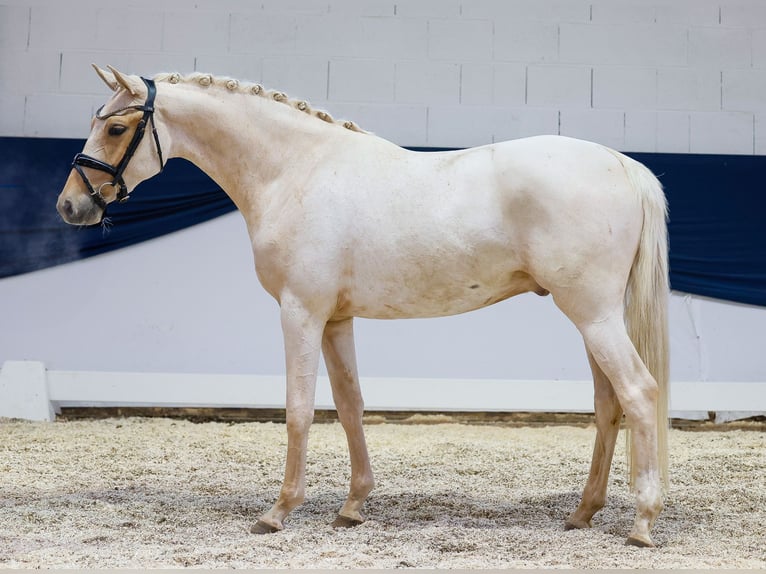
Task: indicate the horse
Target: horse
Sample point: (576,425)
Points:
(346,224)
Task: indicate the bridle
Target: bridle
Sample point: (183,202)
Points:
(81,160)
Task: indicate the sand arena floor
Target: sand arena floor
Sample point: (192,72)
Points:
(161,493)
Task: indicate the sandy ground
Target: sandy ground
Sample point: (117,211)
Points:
(158,493)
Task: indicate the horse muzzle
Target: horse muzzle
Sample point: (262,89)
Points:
(79,209)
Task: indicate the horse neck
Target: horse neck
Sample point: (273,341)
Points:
(245,143)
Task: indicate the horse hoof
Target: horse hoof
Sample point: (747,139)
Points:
(345,522)
(576,524)
(262,527)
(639,541)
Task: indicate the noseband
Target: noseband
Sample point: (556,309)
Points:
(81,160)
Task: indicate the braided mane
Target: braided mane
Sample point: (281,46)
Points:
(235,86)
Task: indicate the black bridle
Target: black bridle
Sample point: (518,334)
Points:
(81,160)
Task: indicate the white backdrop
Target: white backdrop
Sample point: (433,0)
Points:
(665,75)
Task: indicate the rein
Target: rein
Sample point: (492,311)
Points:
(82,160)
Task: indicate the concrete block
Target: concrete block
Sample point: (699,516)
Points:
(262,34)
(551,11)
(333,35)
(14,28)
(24,391)
(656,131)
(500,84)
(759,48)
(29,72)
(295,6)
(673,132)
(715,47)
(43,117)
(345,36)
(401,124)
(477,84)
(129,29)
(78,77)
(468,126)
(361,81)
(611,12)
(300,76)
(510,84)
(640,131)
(150,63)
(428,8)
(624,87)
(196,32)
(521,122)
(623,45)
(721,132)
(697,88)
(432,83)
(460,40)
(228,6)
(744,90)
(389,39)
(558,86)
(58,26)
(374,8)
(461,126)
(743,13)
(11,115)
(760,134)
(689,12)
(529,42)
(245,67)
(606,127)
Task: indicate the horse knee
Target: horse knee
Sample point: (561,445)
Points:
(298,421)
(350,415)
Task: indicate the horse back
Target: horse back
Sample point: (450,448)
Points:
(390,233)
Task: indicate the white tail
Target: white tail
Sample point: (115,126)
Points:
(646,303)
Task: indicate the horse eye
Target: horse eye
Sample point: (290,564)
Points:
(117,130)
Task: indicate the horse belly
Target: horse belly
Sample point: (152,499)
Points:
(428,290)
(446,250)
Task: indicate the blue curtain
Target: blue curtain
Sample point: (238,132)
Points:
(716,231)
(717,237)
(33,236)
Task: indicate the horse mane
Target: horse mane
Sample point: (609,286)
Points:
(235,86)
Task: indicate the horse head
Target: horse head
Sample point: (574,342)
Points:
(116,156)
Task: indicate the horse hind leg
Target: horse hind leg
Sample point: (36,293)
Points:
(608,415)
(340,358)
(637,393)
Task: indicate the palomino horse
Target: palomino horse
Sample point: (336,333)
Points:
(344,224)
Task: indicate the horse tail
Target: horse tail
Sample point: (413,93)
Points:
(646,302)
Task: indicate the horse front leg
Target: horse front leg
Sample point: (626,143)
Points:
(340,357)
(608,414)
(302,334)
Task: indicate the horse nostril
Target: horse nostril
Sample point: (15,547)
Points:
(68,208)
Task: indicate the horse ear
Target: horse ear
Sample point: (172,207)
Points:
(107,78)
(130,83)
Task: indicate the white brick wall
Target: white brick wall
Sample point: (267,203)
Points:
(625,87)
(557,86)
(305,76)
(641,75)
(436,83)
(361,81)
